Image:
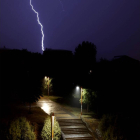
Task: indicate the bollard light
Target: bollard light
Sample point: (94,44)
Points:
(52,123)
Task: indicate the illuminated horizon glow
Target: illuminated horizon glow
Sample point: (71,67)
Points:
(42,42)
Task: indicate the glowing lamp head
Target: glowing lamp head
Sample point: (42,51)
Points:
(77,88)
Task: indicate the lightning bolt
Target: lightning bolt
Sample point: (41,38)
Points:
(42,42)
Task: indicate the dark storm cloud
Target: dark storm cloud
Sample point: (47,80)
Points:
(112,25)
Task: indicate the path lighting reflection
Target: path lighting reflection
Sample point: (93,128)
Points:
(46,108)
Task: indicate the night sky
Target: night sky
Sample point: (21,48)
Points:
(112,25)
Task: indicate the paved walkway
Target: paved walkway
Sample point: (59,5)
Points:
(72,127)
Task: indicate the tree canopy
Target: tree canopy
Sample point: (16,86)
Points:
(85,54)
(84,60)
(47,84)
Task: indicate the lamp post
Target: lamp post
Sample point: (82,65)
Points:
(47,78)
(81,100)
(81,96)
(48,86)
(52,125)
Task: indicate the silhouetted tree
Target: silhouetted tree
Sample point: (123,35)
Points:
(117,86)
(58,64)
(20,75)
(85,58)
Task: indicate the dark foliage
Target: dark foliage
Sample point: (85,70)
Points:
(20,76)
(84,61)
(58,64)
(116,82)
(119,127)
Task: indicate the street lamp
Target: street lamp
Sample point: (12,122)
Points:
(81,100)
(47,78)
(77,87)
(48,86)
(81,96)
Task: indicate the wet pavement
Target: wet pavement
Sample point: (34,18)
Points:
(72,126)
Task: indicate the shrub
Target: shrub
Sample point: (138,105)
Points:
(21,129)
(46,131)
(120,127)
(110,128)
